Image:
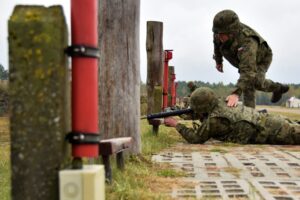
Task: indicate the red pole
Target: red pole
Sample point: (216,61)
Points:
(173,90)
(176,85)
(84,21)
(168,56)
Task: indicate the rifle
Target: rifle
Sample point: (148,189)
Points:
(168,114)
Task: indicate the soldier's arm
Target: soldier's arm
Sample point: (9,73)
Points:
(194,136)
(217,54)
(247,66)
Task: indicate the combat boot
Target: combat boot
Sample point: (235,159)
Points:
(277,94)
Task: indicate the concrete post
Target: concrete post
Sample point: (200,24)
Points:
(40,107)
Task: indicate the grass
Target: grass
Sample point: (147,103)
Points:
(4,159)
(4,172)
(291,113)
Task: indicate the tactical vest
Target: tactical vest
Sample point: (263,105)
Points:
(249,32)
(236,114)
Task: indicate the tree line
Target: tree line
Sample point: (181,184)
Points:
(223,90)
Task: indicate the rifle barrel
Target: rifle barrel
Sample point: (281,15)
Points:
(168,114)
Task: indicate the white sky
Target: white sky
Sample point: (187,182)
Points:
(187,30)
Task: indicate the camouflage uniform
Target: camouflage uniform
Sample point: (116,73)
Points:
(191,85)
(248,52)
(240,124)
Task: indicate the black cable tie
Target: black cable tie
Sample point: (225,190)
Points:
(83,138)
(82,51)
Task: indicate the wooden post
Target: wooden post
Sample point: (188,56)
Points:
(39,92)
(119,70)
(171,72)
(154,47)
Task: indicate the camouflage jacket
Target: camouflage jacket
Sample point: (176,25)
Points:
(246,51)
(241,125)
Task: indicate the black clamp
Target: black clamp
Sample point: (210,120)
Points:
(83,138)
(82,51)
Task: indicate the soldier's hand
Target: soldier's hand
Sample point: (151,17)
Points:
(169,121)
(232,100)
(220,67)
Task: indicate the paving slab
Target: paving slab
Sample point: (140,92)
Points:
(217,189)
(235,172)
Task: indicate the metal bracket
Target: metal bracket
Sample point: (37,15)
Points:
(83,138)
(82,51)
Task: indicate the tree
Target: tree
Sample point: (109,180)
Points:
(3,73)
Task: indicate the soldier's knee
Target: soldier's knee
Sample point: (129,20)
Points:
(260,82)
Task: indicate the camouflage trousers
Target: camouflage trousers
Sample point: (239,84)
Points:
(259,83)
(288,134)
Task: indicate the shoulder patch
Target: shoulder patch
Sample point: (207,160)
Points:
(241,49)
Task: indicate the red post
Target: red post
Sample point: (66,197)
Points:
(84,21)
(168,56)
(173,90)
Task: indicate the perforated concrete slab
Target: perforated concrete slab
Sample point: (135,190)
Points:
(261,165)
(278,189)
(256,172)
(295,154)
(218,189)
(199,165)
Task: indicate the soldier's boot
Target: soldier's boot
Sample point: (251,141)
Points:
(277,94)
(296,134)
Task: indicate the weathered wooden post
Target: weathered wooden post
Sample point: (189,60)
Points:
(154,47)
(40,107)
(173,88)
(171,72)
(119,70)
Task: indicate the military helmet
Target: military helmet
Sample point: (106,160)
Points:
(203,100)
(226,21)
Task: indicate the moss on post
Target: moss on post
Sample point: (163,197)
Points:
(39,89)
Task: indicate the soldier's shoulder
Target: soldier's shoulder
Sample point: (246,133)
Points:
(249,34)
(247,30)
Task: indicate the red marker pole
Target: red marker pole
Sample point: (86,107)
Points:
(173,90)
(168,56)
(84,22)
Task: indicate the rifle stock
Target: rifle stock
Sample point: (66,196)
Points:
(168,114)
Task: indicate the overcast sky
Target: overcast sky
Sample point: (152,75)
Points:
(187,30)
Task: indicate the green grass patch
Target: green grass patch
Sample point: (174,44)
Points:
(170,173)
(4,159)
(4,172)
(152,143)
(218,150)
